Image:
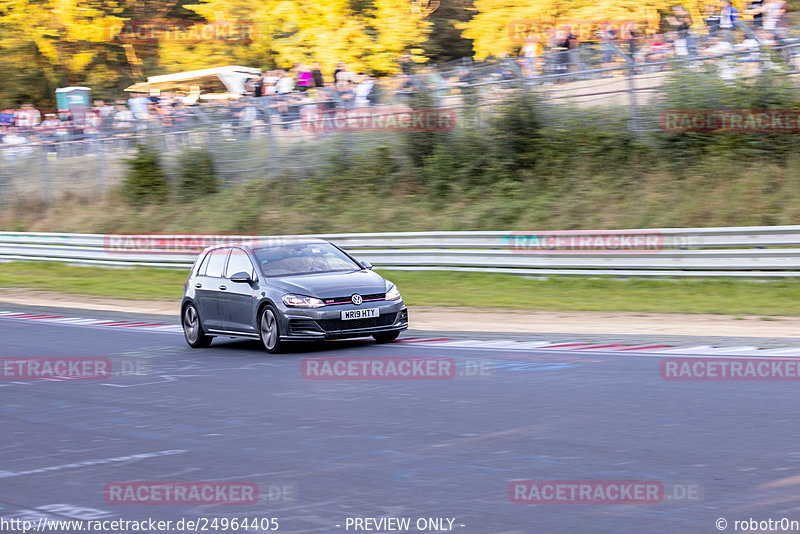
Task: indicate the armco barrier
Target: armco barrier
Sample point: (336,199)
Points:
(758,252)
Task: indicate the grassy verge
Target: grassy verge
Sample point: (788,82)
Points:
(731,297)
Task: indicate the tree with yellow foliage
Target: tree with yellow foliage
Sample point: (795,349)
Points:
(499,26)
(49,43)
(368,34)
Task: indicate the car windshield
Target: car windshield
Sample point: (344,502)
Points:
(303,258)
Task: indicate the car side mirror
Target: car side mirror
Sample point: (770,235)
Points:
(365,264)
(241,278)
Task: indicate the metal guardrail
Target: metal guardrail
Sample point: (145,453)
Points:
(756,252)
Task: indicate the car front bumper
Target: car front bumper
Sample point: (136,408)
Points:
(326,323)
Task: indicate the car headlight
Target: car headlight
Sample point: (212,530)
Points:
(392,293)
(298,301)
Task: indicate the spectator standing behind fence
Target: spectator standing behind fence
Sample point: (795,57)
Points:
(756,9)
(406,65)
(27,117)
(285,84)
(340,67)
(316,75)
(711,18)
(530,55)
(728,20)
(366,93)
(681,22)
(305,79)
(6,117)
(773,14)
(716,47)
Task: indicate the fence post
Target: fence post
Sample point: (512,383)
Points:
(45,166)
(272,153)
(100,167)
(634,109)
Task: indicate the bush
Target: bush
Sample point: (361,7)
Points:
(420,145)
(145,181)
(705,90)
(197,177)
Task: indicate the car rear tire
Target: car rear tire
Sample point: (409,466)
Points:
(386,337)
(269,330)
(193,328)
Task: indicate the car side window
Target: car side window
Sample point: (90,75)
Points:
(216,263)
(201,270)
(239,263)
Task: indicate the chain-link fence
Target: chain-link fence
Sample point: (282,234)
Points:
(260,138)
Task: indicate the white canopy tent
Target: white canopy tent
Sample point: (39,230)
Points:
(219,80)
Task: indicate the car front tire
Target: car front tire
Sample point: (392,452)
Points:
(269,330)
(193,328)
(386,337)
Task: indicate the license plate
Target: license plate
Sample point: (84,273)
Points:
(366,313)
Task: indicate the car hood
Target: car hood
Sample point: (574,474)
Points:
(329,285)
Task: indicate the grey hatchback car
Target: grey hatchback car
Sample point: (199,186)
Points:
(284,290)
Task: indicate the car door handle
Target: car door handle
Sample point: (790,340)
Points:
(223,288)
(198,286)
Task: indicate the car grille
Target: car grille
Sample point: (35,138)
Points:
(346,300)
(336,325)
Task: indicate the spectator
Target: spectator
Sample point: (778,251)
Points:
(365,92)
(285,84)
(716,47)
(406,65)
(27,117)
(681,21)
(728,20)
(559,45)
(339,68)
(711,19)
(342,75)
(756,9)
(530,54)
(123,118)
(253,86)
(15,144)
(305,78)
(138,105)
(316,75)
(6,117)
(105,112)
(405,87)
(344,86)
(773,13)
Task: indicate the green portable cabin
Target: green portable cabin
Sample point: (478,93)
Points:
(73,97)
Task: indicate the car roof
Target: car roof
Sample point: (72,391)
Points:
(267,242)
